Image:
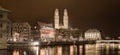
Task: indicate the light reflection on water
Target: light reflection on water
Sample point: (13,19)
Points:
(87,49)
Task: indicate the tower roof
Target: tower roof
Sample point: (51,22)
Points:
(65,12)
(56,12)
(3,9)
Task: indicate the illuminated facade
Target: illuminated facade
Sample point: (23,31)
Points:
(23,29)
(65,19)
(47,32)
(5,27)
(57,20)
(35,35)
(92,34)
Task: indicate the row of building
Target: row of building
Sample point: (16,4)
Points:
(57,31)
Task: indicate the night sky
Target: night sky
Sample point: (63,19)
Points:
(83,14)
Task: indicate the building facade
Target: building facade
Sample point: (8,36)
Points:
(35,34)
(47,32)
(92,34)
(74,34)
(23,30)
(5,27)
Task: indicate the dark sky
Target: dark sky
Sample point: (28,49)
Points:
(84,14)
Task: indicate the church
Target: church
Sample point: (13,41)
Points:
(57,23)
(62,28)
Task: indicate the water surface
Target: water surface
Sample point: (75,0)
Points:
(87,49)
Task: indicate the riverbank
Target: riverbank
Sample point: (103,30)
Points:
(49,43)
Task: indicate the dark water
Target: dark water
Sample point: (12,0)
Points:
(87,49)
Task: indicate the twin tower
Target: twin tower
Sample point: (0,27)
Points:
(57,20)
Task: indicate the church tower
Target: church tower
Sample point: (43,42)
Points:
(65,19)
(56,19)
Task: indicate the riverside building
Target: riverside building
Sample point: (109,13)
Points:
(5,27)
(22,29)
(47,32)
(92,34)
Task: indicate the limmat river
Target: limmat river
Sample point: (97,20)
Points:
(86,49)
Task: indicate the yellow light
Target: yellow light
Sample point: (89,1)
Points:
(35,43)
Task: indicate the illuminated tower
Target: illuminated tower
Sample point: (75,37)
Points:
(65,19)
(56,19)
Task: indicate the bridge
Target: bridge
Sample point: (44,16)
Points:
(108,41)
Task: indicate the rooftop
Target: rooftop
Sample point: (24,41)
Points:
(92,30)
(3,9)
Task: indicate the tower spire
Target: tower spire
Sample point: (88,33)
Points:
(65,12)
(56,19)
(65,19)
(56,12)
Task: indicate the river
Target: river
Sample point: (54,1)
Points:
(86,49)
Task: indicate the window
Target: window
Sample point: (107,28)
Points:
(1,25)
(0,35)
(1,15)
